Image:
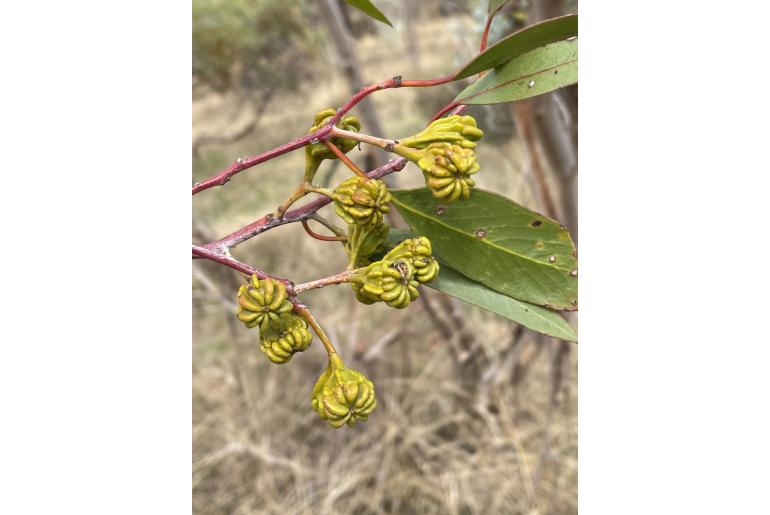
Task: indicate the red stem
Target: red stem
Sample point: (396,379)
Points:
(427,83)
(225,175)
(242,164)
(451,105)
(345,159)
(205,253)
(485,35)
(295,215)
(320,236)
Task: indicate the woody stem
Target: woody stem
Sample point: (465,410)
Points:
(305,313)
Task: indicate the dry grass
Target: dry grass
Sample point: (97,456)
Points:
(496,433)
(434,444)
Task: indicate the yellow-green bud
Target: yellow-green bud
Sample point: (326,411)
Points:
(261,302)
(318,151)
(362,201)
(455,129)
(343,395)
(282,338)
(419,252)
(447,169)
(392,282)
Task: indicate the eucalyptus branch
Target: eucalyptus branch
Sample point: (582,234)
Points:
(305,313)
(227,260)
(321,134)
(342,157)
(342,277)
(292,289)
(321,236)
(385,144)
(269,221)
(326,223)
(485,34)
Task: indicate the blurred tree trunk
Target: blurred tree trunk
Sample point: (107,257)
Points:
(344,44)
(555,121)
(413,50)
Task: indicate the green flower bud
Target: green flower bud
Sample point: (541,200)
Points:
(262,302)
(318,151)
(455,129)
(392,282)
(419,253)
(343,395)
(282,338)
(362,201)
(447,169)
(364,241)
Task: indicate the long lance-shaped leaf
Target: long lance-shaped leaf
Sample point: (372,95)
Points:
(534,73)
(369,9)
(521,42)
(537,318)
(498,243)
(455,284)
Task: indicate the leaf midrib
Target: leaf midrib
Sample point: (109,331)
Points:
(520,78)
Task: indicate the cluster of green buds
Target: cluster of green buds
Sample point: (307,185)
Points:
(362,201)
(447,169)
(265,303)
(282,339)
(362,204)
(343,395)
(395,278)
(444,153)
(317,152)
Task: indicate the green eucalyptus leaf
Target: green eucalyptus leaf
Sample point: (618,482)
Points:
(534,73)
(521,42)
(498,243)
(369,9)
(537,318)
(455,284)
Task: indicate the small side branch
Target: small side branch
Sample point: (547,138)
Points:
(340,278)
(305,313)
(270,221)
(203,252)
(242,164)
(321,237)
(345,159)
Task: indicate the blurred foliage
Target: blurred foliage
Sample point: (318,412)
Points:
(240,45)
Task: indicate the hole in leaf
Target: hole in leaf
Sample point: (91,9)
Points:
(481,233)
(440,210)
(537,223)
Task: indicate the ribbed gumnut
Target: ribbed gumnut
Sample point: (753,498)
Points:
(284,337)
(343,395)
(364,241)
(262,301)
(362,201)
(419,252)
(455,129)
(318,151)
(447,169)
(392,282)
